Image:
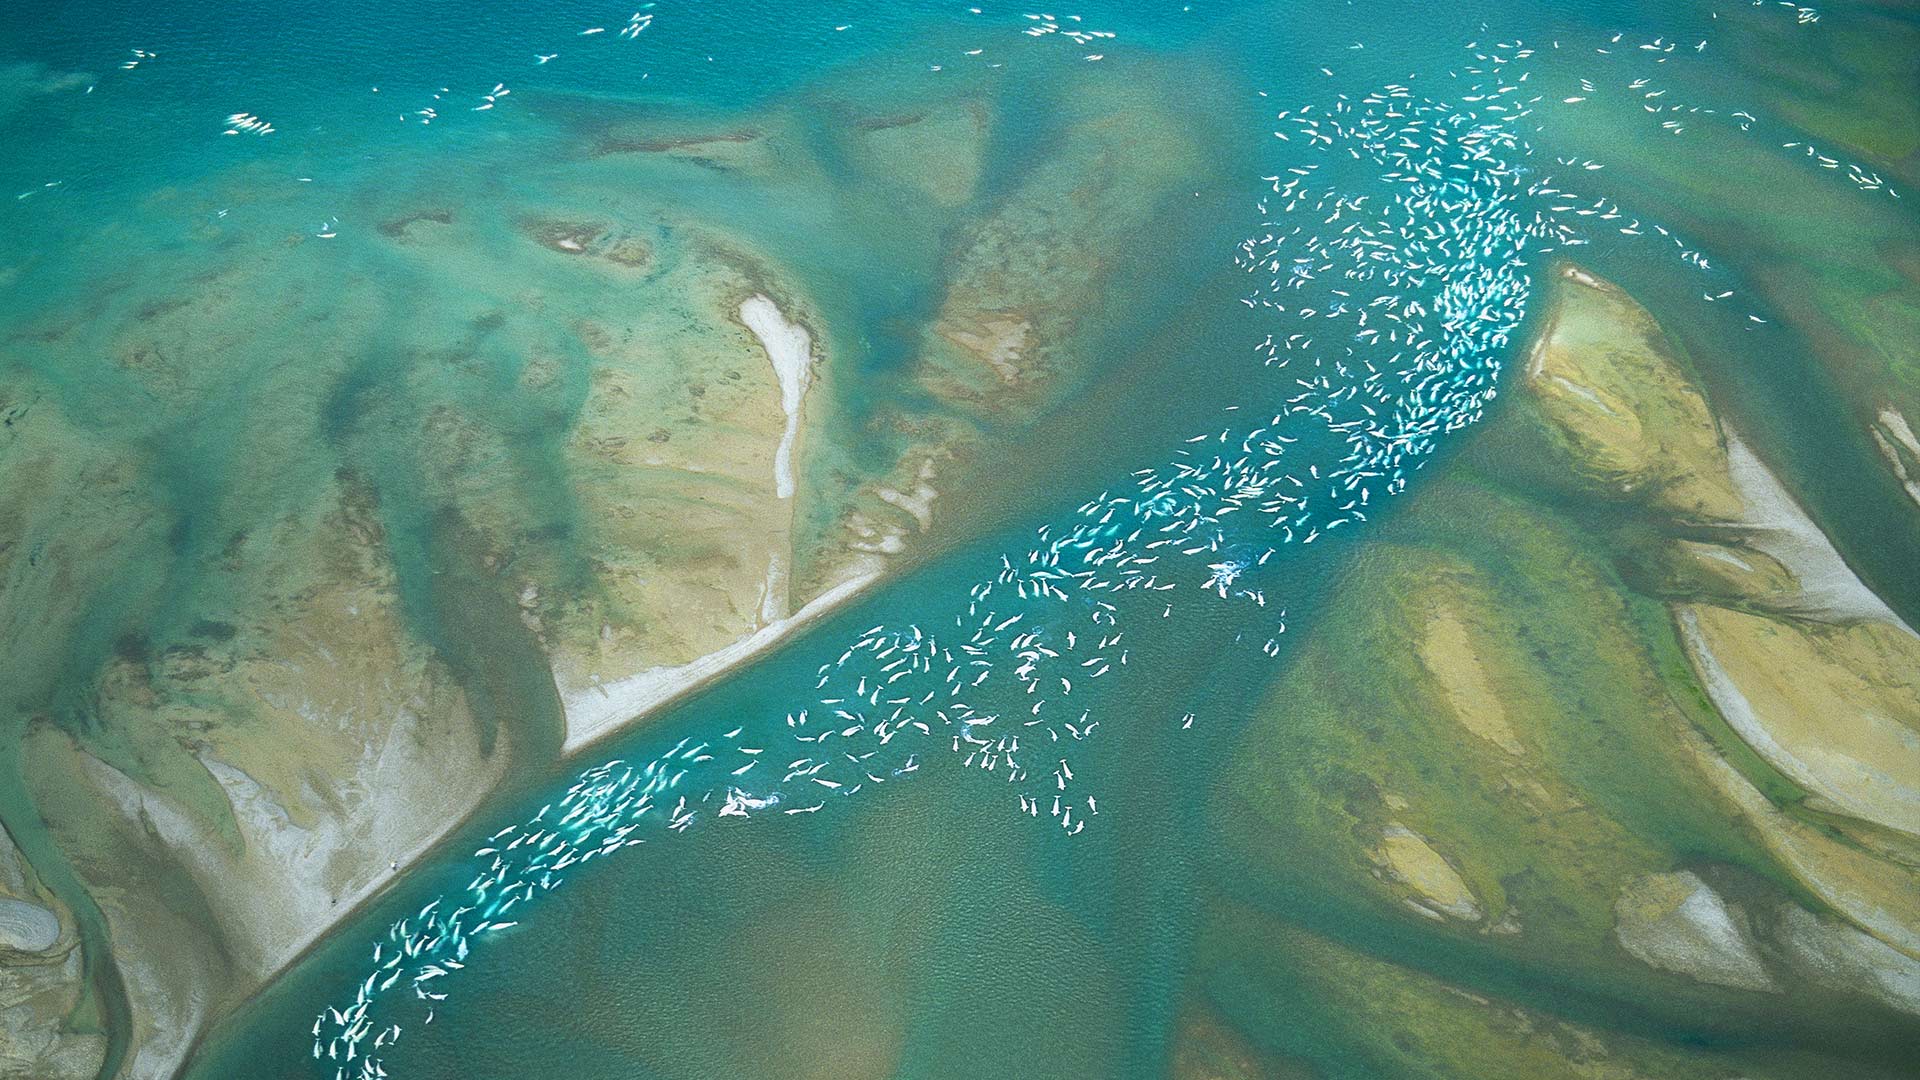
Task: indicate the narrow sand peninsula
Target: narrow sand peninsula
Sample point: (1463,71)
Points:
(791,351)
(1778,526)
(27,927)
(601,710)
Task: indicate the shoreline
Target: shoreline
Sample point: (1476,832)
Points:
(596,711)
(607,714)
(388,804)
(1777,525)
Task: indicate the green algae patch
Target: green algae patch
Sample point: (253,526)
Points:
(1734,574)
(1027,275)
(1814,732)
(1616,397)
(1507,763)
(1529,781)
(1834,708)
(1389,1019)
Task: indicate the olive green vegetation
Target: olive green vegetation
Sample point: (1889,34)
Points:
(1464,855)
(1397,1020)
(1832,266)
(310,544)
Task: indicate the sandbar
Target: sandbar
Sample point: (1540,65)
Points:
(791,350)
(1779,527)
(596,711)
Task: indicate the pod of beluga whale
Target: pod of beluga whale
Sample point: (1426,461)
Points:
(1393,258)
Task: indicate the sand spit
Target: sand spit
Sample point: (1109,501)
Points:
(293,883)
(596,707)
(791,350)
(1615,392)
(596,711)
(1774,523)
(1826,706)
(1678,923)
(1612,387)
(1408,858)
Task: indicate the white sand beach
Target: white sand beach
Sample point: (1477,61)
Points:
(1778,526)
(790,349)
(594,712)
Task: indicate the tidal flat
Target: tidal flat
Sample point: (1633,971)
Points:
(366,524)
(1259,542)
(1540,779)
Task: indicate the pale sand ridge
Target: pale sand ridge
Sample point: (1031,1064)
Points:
(597,711)
(791,351)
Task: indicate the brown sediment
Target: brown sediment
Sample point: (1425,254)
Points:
(881,123)
(567,237)
(255,773)
(1611,386)
(997,339)
(681,511)
(1409,859)
(1586,789)
(1678,923)
(1027,277)
(397,228)
(595,239)
(608,145)
(302,733)
(1447,650)
(1835,708)
(629,251)
(1721,925)
(1877,896)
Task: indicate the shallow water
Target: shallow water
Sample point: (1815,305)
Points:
(926,927)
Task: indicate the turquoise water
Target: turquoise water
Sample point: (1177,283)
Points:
(947,921)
